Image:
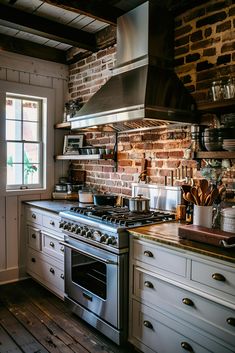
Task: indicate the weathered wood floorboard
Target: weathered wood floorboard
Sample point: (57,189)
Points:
(33,320)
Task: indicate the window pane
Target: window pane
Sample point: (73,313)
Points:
(30,131)
(13,108)
(31,173)
(31,153)
(30,110)
(14,152)
(14,174)
(13,130)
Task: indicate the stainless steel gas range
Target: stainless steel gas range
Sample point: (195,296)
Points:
(96,241)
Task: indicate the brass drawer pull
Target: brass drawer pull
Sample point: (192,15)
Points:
(187,346)
(62,276)
(147,324)
(148,253)
(34,216)
(62,249)
(187,301)
(231,321)
(148,284)
(52,223)
(34,236)
(218,277)
(33,259)
(52,244)
(52,270)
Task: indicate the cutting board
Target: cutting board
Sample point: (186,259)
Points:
(214,237)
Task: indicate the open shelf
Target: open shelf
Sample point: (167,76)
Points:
(223,107)
(214,155)
(84,157)
(66,125)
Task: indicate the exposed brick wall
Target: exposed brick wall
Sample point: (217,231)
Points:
(204,51)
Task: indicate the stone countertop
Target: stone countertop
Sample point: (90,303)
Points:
(167,233)
(55,206)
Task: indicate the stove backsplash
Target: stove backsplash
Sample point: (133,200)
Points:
(163,198)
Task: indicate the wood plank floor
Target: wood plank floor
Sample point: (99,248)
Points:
(33,320)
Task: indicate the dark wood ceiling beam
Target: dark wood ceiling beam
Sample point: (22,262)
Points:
(29,48)
(47,28)
(97,9)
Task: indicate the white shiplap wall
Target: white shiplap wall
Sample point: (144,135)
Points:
(30,76)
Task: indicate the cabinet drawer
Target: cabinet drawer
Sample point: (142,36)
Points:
(205,314)
(51,273)
(162,334)
(51,246)
(217,277)
(51,222)
(34,238)
(160,258)
(34,216)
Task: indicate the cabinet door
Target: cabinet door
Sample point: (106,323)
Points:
(163,334)
(34,238)
(33,216)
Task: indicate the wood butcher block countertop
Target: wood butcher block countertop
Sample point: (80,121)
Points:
(167,233)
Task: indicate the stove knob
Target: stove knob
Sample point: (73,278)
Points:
(83,232)
(61,224)
(103,238)
(73,228)
(70,227)
(66,225)
(110,241)
(88,234)
(78,230)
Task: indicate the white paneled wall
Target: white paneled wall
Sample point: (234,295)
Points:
(30,76)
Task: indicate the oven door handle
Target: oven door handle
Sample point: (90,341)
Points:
(107,261)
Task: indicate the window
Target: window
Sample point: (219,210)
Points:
(24,142)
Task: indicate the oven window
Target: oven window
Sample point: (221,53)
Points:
(89,274)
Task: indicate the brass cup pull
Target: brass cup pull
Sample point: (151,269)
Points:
(52,244)
(52,270)
(231,321)
(187,301)
(218,277)
(148,253)
(147,324)
(52,223)
(148,284)
(34,236)
(187,346)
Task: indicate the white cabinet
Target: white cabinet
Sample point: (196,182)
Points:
(180,301)
(45,254)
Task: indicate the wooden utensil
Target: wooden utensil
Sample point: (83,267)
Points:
(189,197)
(212,197)
(186,188)
(203,184)
(194,193)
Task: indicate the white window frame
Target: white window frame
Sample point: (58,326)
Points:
(48,96)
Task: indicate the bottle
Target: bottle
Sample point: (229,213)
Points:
(189,213)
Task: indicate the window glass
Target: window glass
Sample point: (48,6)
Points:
(24,142)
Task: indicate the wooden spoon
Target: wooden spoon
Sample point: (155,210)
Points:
(189,197)
(194,193)
(203,183)
(213,196)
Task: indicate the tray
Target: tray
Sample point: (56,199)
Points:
(204,235)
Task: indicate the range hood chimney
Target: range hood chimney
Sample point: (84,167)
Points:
(144,91)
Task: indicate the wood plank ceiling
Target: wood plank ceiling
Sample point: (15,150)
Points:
(64,31)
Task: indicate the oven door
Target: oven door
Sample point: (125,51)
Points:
(92,279)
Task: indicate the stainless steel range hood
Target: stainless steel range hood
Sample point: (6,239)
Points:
(144,91)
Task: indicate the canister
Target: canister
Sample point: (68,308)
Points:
(228,220)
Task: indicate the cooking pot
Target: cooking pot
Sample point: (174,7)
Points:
(85,196)
(139,204)
(105,199)
(60,187)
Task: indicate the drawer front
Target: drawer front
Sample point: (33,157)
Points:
(160,258)
(220,278)
(34,216)
(212,317)
(51,246)
(34,238)
(52,222)
(51,272)
(162,334)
